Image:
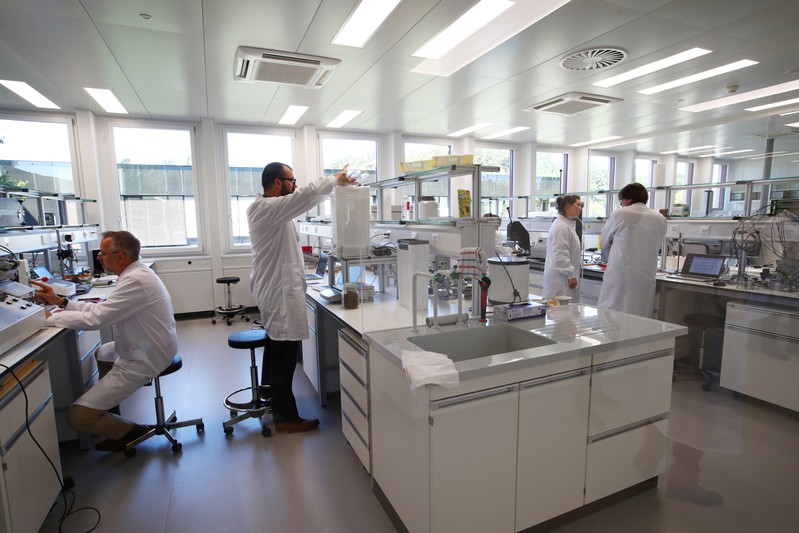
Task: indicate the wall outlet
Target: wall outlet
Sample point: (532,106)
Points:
(674,230)
(704,230)
(434,239)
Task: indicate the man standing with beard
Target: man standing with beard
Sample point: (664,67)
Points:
(278,280)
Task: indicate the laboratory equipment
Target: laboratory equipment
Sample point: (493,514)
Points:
(351,221)
(509,279)
(412,256)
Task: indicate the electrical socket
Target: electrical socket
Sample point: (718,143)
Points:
(674,230)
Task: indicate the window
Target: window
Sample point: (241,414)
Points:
(37,156)
(684,176)
(156,185)
(549,172)
(247,155)
(644,169)
(495,184)
(600,178)
(419,151)
(337,151)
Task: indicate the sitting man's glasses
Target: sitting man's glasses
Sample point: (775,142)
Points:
(292,180)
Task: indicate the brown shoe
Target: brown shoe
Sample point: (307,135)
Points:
(299,425)
(119,445)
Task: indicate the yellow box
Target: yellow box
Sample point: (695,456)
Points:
(445,160)
(464,203)
(416,166)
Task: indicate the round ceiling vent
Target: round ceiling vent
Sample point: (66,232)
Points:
(593,59)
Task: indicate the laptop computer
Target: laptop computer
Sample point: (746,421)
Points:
(321,266)
(701,267)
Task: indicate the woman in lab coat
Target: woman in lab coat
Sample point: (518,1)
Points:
(631,240)
(562,265)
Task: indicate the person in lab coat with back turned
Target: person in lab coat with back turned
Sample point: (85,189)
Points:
(631,240)
(562,265)
(278,280)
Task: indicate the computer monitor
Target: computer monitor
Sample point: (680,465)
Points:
(97,266)
(519,234)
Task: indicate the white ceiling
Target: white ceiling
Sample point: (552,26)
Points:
(179,65)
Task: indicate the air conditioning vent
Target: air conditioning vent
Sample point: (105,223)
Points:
(572,103)
(259,65)
(775,134)
(594,59)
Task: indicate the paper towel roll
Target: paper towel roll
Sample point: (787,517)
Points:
(444,320)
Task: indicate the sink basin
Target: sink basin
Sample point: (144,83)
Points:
(471,343)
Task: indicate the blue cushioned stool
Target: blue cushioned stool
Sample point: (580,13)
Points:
(163,424)
(258,405)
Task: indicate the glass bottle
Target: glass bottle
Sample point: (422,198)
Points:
(350,296)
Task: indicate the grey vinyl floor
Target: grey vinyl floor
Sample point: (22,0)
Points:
(733,465)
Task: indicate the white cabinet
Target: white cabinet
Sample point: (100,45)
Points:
(553,413)
(473,461)
(354,382)
(28,485)
(310,355)
(761,354)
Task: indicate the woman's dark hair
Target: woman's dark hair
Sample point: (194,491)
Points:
(635,192)
(271,172)
(565,201)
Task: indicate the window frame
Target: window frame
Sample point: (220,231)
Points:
(113,211)
(325,207)
(513,149)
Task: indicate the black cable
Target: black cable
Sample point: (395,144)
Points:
(515,291)
(68,511)
(9,250)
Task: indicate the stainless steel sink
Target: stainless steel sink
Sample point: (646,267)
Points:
(471,343)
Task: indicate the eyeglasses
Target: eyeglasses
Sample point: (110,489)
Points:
(292,180)
(101,254)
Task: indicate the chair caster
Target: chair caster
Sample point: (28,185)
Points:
(177,447)
(266,432)
(233,413)
(246,319)
(130,452)
(213,321)
(707,387)
(200,427)
(229,431)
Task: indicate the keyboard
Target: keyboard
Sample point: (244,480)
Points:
(689,277)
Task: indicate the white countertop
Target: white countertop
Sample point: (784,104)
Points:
(577,329)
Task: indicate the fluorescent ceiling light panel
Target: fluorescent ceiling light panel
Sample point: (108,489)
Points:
(464,131)
(788,113)
(293,114)
(699,76)
(107,100)
(686,150)
(627,142)
(29,93)
(507,132)
(344,117)
(743,97)
(509,18)
(773,105)
(363,22)
(793,125)
(727,153)
(596,141)
(670,61)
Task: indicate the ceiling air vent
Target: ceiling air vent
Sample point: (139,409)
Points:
(572,103)
(283,68)
(593,59)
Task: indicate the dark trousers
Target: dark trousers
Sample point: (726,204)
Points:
(279,362)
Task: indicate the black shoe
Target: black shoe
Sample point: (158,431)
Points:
(264,392)
(119,445)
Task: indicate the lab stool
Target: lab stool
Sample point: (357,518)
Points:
(229,310)
(257,406)
(705,322)
(163,424)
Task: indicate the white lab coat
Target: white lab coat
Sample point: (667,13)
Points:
(139,311)
(633,235)
(278,270)
(563,259)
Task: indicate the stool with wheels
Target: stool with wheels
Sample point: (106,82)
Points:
(704,322)
(258,403)
(229,310)
(164,424)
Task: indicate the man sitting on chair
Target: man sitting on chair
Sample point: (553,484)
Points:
(139,311)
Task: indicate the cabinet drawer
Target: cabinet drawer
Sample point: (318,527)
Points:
(353,354)
(357,444)
(12,404)
(354,387)
(87,342)
(88,368)
(628,393)
(625,459)
(310,316)
(356,417)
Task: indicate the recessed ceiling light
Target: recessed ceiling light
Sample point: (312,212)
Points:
(145,16)
(505,133)
(718,154)
(773,105)
(743,97)
(107,100)
(699,76)
(509,19)
(653,67)
(363,22)
(475,127)
(293,114)
(686,150)
(29,93)
(596,141)
(343,117)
